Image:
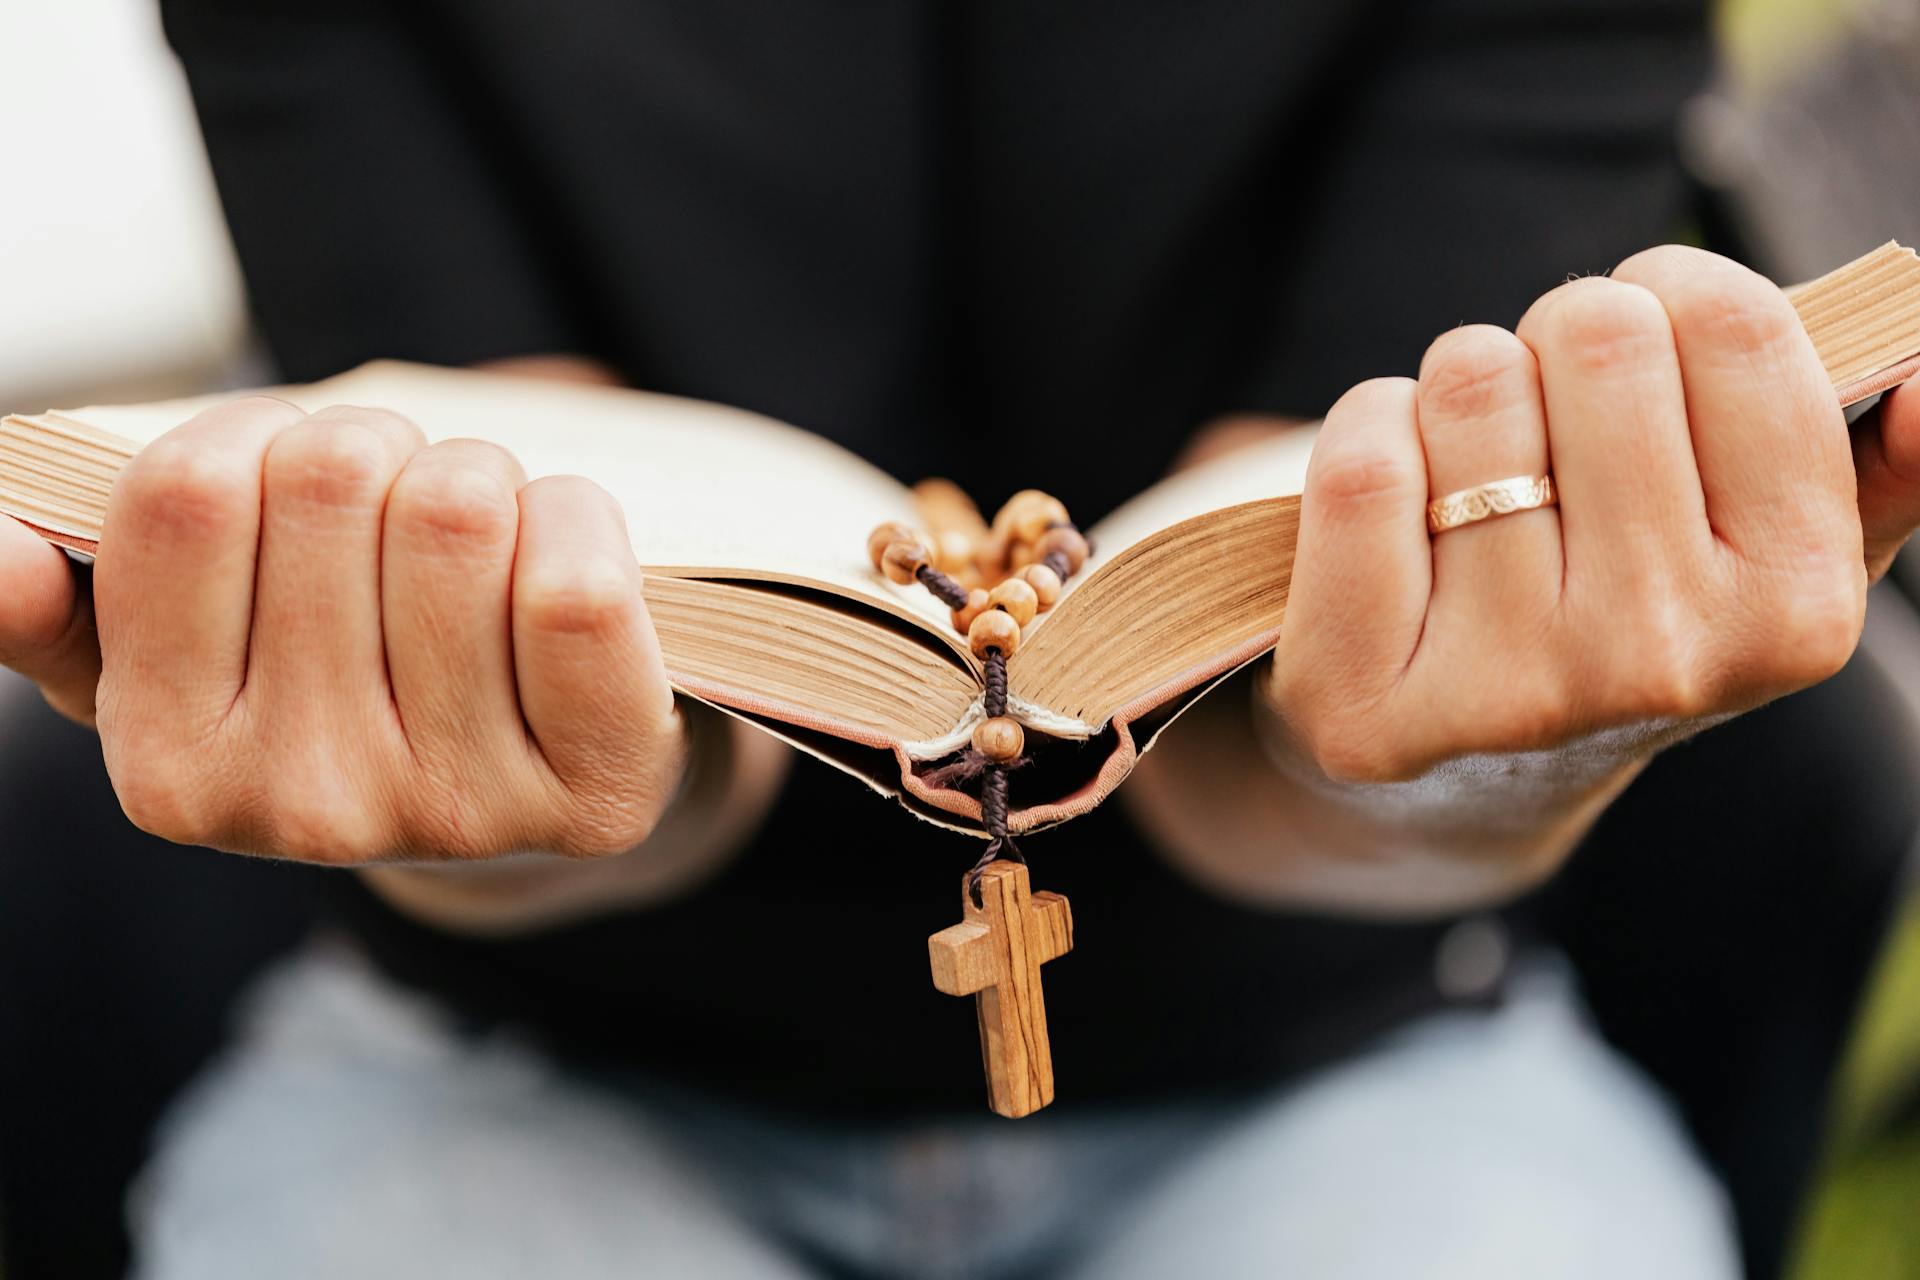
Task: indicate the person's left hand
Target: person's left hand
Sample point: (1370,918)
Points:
(1711,550)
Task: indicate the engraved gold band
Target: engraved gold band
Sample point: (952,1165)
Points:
(1485,501)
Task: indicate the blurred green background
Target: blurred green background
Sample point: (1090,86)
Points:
(1863,1220)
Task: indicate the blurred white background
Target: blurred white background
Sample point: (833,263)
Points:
(116,275)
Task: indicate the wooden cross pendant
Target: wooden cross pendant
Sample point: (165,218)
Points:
(994,955)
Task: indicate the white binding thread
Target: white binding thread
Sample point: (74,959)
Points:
(1030,714)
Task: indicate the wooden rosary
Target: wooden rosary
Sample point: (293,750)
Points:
(1007,932)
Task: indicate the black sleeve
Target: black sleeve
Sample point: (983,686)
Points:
(1474,154)
(358,188)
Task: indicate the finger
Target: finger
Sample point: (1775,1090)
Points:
(173,582)
(318,648)
(446,588)
(46,621)
(1768,435)
(1630,500)
(1482,419)
(1362,566)
(1886,459)
(592,685)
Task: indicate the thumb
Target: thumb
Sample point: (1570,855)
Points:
(1886,463)
(46,621)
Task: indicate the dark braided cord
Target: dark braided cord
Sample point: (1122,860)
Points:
(996,683)
(950,593)
(1057,561)
(993,783)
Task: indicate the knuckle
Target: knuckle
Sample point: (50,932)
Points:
(1741,313)
(1603,326)
(591,595)
(1662,671)
(1351,461)
(1816,631)
(369,415)
(456,816)
(1658,679)
(1667,262)
(396,429)
(458,502)
(484,455)
(268,409)
(1472,370)
(307,833)
(1539,713)
(1713,300)
(331,463)
(450,834)
(1669,690)
(317,818)
(172,484)
(160,800)
(252,411)
(1354,476)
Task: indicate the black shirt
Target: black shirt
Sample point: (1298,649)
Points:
(1013,243)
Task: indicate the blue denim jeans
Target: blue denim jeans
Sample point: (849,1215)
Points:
(350,1132)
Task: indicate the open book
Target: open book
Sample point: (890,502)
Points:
(754,537)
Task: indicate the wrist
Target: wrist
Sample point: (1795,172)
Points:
(1513,815)
(1235,804)
(730,775)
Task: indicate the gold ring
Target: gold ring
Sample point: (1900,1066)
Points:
(1485,501)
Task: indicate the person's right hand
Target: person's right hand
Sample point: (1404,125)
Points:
(322,639)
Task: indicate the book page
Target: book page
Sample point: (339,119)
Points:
(708,491)
(1270,468)
(1863,317)
(1197,564)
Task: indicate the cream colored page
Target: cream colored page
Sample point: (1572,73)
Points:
(1270,469)
(705,488)
(1273,468)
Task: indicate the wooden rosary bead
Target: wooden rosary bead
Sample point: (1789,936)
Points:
(953,552)
(1039,515)
(977,604)
(902,560)
(1020,555)
(1066,540)
(1018,598)
(993,629)
(992,554)
(945,505)
(1000,739)
(885,536)
(1015,508)
(1045,583)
